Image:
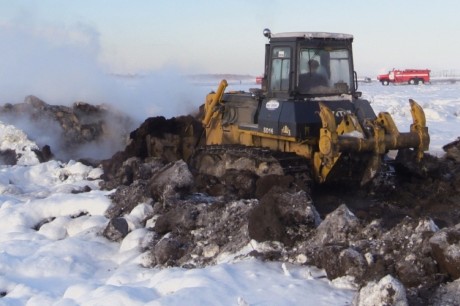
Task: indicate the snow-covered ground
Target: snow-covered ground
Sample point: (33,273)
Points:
(52,251)
(440,102)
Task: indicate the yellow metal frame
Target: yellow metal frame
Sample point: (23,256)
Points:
(373,136)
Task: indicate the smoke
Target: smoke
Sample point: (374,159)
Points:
(61,65)
(90,136)
(42,132)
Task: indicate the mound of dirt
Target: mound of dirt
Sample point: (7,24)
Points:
(67,130)
(156,138)
(399,239)
(403,233)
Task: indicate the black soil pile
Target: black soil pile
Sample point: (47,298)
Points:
(406,225)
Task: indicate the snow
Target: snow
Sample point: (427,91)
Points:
(388,291)
(16,140)
(52,251)
(440,102)
(67,262)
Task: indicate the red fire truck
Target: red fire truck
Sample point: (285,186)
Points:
(407,76)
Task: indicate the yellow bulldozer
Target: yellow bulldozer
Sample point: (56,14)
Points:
(308,116)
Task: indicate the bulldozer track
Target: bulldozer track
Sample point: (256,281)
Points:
(287,162)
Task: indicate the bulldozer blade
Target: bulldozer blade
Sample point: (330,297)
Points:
(372,169)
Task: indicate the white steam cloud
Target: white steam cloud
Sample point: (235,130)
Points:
(60,65)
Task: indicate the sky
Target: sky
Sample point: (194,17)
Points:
(226,37)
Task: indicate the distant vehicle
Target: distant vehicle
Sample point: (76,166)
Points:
(407,76)
(259,79)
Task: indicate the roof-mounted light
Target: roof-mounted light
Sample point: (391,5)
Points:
(267,33)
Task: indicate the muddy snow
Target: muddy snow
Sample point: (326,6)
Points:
(136,229)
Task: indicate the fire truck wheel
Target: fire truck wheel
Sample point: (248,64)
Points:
(412,82)
(385,82)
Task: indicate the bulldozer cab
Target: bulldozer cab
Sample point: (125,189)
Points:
(308,64)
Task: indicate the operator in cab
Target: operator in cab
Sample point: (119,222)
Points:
(313,78)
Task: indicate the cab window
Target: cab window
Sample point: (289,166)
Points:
(332,73)
(281,63)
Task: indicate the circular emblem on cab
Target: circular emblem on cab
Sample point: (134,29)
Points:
(272,105)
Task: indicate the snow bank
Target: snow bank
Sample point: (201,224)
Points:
(14,139)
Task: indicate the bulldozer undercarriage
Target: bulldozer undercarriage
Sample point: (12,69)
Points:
(216,160)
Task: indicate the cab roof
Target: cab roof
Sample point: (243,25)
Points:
(312,35)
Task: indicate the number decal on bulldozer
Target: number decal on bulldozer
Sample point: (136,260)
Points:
(268,130)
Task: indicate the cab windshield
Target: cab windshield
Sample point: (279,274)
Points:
(324,71)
